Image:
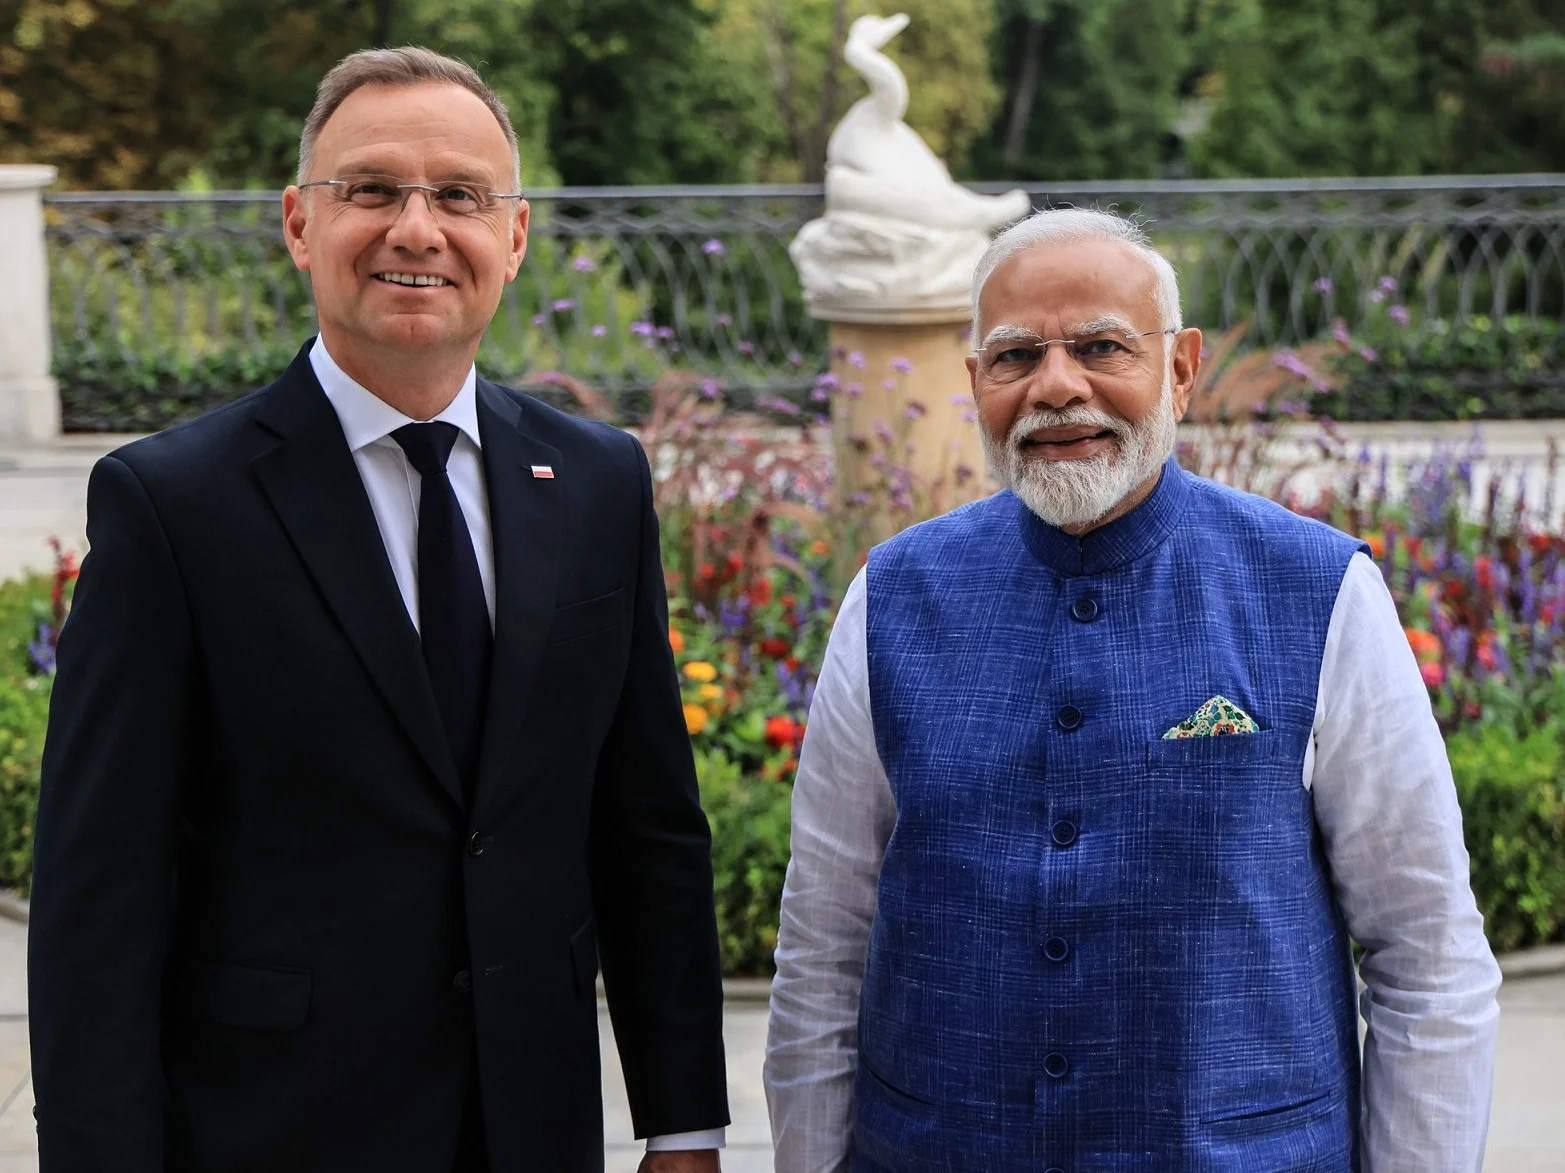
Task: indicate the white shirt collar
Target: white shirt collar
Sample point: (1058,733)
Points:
(367,418)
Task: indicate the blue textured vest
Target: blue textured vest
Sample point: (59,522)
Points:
(1094,949)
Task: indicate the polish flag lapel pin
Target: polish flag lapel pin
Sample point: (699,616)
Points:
(543,472)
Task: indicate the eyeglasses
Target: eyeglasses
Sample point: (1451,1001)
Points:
(456,197)
(1103,352)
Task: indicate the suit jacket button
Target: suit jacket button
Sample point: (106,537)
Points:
(1055,1065)
(1068,718)
(475,844)
(463,982)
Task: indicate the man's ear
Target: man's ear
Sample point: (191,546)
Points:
(294,218)
(518,239)
(1186,360)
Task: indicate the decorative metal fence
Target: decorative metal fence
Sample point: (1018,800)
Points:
(153,291)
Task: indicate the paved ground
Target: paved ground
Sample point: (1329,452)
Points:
(1527,1134)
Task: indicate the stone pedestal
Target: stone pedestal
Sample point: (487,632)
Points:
(29,399)
(904,436)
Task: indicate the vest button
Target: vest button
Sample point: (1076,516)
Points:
(1056,949)
(1054,1169)
(475,845)
(1084,610)
(1068,718)
(1064,832)
(463,982)
(1055,1065)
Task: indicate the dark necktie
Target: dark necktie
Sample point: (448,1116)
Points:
(452,614)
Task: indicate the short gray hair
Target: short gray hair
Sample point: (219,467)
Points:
(410,65)
(1067,226)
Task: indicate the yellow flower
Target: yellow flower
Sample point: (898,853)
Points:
(700,670)
(711,692)
(695,719)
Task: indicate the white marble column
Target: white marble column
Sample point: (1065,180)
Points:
(29,399)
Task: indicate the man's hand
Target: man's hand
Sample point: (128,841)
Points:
(684,1161)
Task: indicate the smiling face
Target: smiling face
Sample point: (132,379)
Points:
(1079,438)
(414,281)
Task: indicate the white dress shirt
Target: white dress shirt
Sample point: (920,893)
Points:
(393,488)
(1392,832)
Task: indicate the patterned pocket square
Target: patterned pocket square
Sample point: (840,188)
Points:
(1213,719)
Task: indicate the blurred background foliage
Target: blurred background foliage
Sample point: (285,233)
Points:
(127,94)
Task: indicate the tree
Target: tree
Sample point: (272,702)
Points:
(1091,89)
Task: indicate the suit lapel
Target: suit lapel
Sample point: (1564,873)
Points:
(524,521)
(315,487)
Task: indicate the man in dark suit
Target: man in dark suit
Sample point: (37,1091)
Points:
(366,742)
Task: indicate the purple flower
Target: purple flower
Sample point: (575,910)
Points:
(584,265)
(665,332)
(540,319)
(1399,315)
(746,348)
(882,429)
(724,320)
(961,400)
(644,329)
(901,365)
(777,404)
(1377,295)
(890,384)
(563,304)
(795,359)
(914,410)
(854,390)
(969,417)
(710,389)
(1369,354)
(1323,285)
(820,394)
(1387,284)
(828,382)
(855,359)
(42,651)
(599,331)
(1339,331)
(715,248)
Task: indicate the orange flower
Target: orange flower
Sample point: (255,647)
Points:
(676,641)
(695,719)
(819,548)
(700,671)
(1377,545)
(1425,644)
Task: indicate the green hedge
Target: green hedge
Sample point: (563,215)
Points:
(1512,791)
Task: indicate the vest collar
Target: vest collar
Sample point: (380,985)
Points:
(1121,541)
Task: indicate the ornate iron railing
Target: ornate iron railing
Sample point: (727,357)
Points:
(620,283)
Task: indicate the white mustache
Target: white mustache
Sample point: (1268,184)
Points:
(1069,417)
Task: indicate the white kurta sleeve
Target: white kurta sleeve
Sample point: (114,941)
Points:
(1392,832)
(842,818)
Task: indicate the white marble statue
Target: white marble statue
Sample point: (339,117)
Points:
(900,237)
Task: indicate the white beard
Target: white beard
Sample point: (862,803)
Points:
(1068,493)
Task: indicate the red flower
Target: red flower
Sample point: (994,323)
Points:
(791,663)
(1433,673)
(784,731)
(1540,543)
(1484,565)
(1486,654)
(788,601)
(735,564)
(1414,547)
(761,592)
(775,648)
(708,572)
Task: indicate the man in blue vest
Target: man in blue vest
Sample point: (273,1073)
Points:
(1102,774)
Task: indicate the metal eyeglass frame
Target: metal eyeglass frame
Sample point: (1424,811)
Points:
(404,190)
